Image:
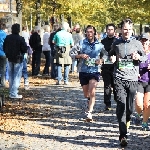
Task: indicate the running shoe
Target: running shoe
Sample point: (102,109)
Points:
(123,142)
(88,116)
(107,108)
(145,126)
(137,120)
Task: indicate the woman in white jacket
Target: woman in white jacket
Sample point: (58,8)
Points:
(46,49)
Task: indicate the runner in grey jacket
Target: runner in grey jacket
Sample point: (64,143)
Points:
(126,52)
(123,50)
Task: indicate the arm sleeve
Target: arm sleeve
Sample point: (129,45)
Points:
(75,50)
(55,38)
(112,51)
(71,41)
(4,45)
(30,41)
(23,46)
(143,56)
(103,53)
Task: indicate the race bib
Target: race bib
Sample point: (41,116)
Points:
(108,62)
(126,64)
(90,62)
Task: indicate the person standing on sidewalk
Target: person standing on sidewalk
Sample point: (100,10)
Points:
(77,36)
(25,72)
(89,51)
(143,92)
(126,53)
(26,36)
(35,43)
(54,74)
(63,42)
(108,67)
(3,59)
(15,48)
(46,50)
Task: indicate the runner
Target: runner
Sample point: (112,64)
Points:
(126,53)
(108,68)
(143,92)
(89,51)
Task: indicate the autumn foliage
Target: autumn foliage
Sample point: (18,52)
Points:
(96,12)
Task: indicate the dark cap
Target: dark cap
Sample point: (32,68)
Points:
(145,36)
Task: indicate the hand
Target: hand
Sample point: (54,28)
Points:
(84,56)
(98,61)
(135,56)
(148,67)
(139,76)
(113,59)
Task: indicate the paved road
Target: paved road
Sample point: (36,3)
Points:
(51,121)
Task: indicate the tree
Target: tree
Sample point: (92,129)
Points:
(95,12)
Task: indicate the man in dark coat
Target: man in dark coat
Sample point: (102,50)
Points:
(15,47)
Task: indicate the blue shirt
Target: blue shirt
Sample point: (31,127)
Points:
(63,38)
(2,37)
(93,50)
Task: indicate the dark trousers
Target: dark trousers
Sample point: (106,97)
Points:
(2,69)
(125,91)
(47,63)
(108,80)
(36,62)
(54,70)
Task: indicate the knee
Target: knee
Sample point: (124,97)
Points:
(147,104)
(92,94)
(86,95)
(139,104)
(139,107)
(147,100)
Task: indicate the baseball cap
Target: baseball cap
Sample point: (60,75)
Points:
(145,36)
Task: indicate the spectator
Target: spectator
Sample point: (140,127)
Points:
(25,34)
(77,36)
(2,54)
(54,73)
(35,43)
(63,42)
(15,48)
(46,49)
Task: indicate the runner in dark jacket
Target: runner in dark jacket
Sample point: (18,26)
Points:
(127,52)
(108,68)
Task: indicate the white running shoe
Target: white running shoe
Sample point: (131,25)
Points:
(17,96)
(88,116)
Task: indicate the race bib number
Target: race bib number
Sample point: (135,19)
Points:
(108,62)
(90,62)
(126,64)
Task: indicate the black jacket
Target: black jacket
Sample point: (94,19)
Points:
(14,47)
(35,42)
(52,45)
(107,42)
